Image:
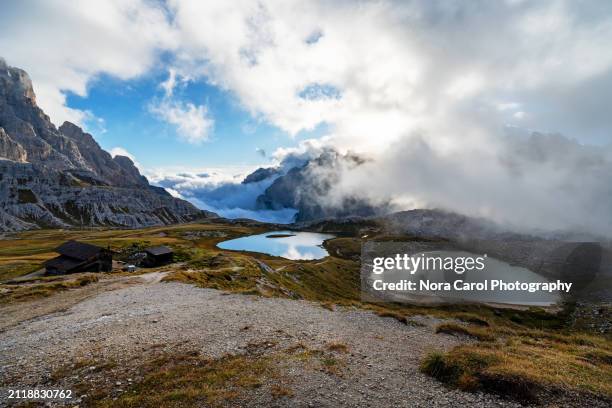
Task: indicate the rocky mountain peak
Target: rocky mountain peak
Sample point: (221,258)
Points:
(16,80)
(95,159)
(124,161)
(261,174)
(77,134)
(315,178)
(61,177)
(127,165)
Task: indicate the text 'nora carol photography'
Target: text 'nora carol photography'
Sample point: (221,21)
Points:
(427,272)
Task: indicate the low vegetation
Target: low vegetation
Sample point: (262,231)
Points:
(525,363)
(472,318)
(184,378)
(344,247)
(18,267)
(479,333)
(338,346)
(193,380)
(520,353)
(43,287)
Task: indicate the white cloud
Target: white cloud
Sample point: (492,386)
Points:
(63,45)
(120,151)
(396,63)
(220,190)
(504,106)
(427,77)
(193,123)
(169,84)
(174,193)
(443,78)
(194,177)
(175,79)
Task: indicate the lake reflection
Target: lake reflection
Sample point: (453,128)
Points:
(288,244)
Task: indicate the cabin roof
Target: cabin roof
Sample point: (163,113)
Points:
(158,250)
(78,250)
(63,262)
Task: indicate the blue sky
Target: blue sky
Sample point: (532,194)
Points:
(123,105)
(442,98)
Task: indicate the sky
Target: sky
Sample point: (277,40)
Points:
(442,97)
(137,116)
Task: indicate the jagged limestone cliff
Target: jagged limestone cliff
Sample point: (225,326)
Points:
(60,177)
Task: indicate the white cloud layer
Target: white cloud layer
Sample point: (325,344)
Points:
(450,80)
(193,123)
(63,45)
(220,190)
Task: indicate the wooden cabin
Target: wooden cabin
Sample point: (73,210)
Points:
(157,256)
(79,257)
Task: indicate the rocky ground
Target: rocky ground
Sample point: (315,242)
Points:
(128,319)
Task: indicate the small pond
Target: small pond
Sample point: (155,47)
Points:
(287,244)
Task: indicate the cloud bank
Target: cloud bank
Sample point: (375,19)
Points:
(442,97)
(64,45)
(193,123)
(222,192)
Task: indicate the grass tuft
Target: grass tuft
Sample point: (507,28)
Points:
(192,380)
(44,287)
(279,391)
(473,319)
(479,333)
(395,315)
(527,370)
(337,346)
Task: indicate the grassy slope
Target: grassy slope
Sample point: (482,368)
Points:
(518,353)
(187,378)
(44,287)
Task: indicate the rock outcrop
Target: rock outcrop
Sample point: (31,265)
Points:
(11,150)
(261,174)
(61,177)
(307,188)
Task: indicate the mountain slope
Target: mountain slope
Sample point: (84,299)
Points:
(308,188)
(60,177)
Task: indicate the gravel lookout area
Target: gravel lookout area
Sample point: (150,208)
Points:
(371,361)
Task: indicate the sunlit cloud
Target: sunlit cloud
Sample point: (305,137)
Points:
(193,122)
(464,84)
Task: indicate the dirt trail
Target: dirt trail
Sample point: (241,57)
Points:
(121,319)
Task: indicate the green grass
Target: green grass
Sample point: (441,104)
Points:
(189,379)
(472,319)
(525,363)
(10,270)
(344,247)
(338,347)
(44,287)
(193,380)
(479,333)
(524,352)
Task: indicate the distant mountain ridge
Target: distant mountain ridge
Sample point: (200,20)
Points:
(306,188)
(61,177)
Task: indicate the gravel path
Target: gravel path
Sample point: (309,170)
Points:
(381,368)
